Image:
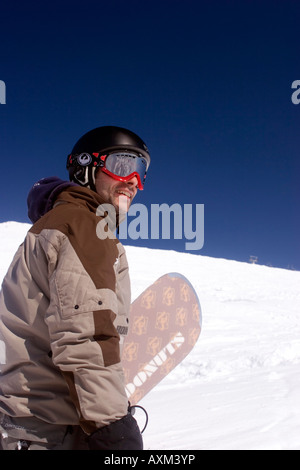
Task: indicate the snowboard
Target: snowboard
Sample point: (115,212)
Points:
(165,324)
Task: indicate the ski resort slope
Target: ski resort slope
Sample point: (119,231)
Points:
(239,388)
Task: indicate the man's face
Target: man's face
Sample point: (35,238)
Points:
(118,193)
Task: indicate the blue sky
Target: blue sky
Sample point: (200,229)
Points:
(207,85)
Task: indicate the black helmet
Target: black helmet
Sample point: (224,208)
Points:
(84,158)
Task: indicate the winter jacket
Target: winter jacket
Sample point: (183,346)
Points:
(64,309)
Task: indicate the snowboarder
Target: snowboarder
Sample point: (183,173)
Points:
(64,306)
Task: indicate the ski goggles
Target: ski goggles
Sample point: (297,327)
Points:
(123,166)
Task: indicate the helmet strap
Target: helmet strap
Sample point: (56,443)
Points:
(92,177)
(85,177)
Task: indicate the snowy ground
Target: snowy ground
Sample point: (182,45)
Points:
(240,387)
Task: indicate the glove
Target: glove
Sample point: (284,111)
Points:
(123,434)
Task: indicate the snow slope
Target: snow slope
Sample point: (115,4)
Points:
(240,387)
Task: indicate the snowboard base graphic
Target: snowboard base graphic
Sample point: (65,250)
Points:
(165,324)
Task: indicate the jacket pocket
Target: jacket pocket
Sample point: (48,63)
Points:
(83,297)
